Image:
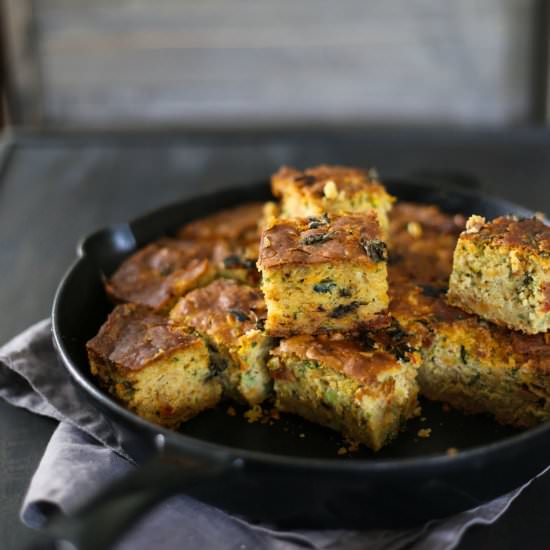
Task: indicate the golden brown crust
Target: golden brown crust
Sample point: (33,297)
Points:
(312,181)
(224,309)
(345,356)
(410,303)
(153,275)
(429,216)
(302,241)
(423,239)
(501,270)
(535,345)
(525,234)
(134,336)
(233,224)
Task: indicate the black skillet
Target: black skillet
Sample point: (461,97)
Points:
(290,472)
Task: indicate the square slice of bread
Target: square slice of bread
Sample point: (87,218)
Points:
(501,272)
(364,392)
(230,317)
(331,189)
(153,367)
(323,274)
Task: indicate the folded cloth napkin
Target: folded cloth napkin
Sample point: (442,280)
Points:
(84,455)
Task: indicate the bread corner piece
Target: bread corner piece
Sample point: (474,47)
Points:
(472,364)
(234,236)
(323,274)
(156,275)
(364,392)
(154,368)
(332,189)
(230,317)
(501,272)
(478,367)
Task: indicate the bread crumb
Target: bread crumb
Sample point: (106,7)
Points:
(231,411)
(254,414)
(474,224)
(452,451)
(330,190)
(414,229)
(423,419)
(351,446)
(424,433)
(302,435)
(342,451)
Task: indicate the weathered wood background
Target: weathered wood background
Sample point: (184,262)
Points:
(216,62)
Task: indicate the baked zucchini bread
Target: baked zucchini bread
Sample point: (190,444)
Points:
(422,242)
(234,236)
(501,272)
(332,189)
(154,368)
(472,364)
(351,386)
(159,273)
(323,274)
(230,317)
(478,367)
(239,223)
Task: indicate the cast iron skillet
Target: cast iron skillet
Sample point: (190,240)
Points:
(290,473)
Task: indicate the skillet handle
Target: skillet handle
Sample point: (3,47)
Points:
(110,514)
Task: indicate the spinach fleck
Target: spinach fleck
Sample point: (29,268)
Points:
(399,345)
(324,286)
(344,309)
(318,239)
(239,315)
(463,355)
(216,366)
(366,341)
(234,261)
(376,250)
(314,223)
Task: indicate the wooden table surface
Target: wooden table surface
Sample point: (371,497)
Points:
(56,188)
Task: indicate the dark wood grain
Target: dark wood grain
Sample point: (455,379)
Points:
(216,63)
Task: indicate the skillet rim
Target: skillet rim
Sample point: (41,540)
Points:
(208,448)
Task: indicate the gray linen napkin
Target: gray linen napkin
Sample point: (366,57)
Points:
(84,455)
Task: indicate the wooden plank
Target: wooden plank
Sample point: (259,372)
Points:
(22,72)
(215,63)
(541,64)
